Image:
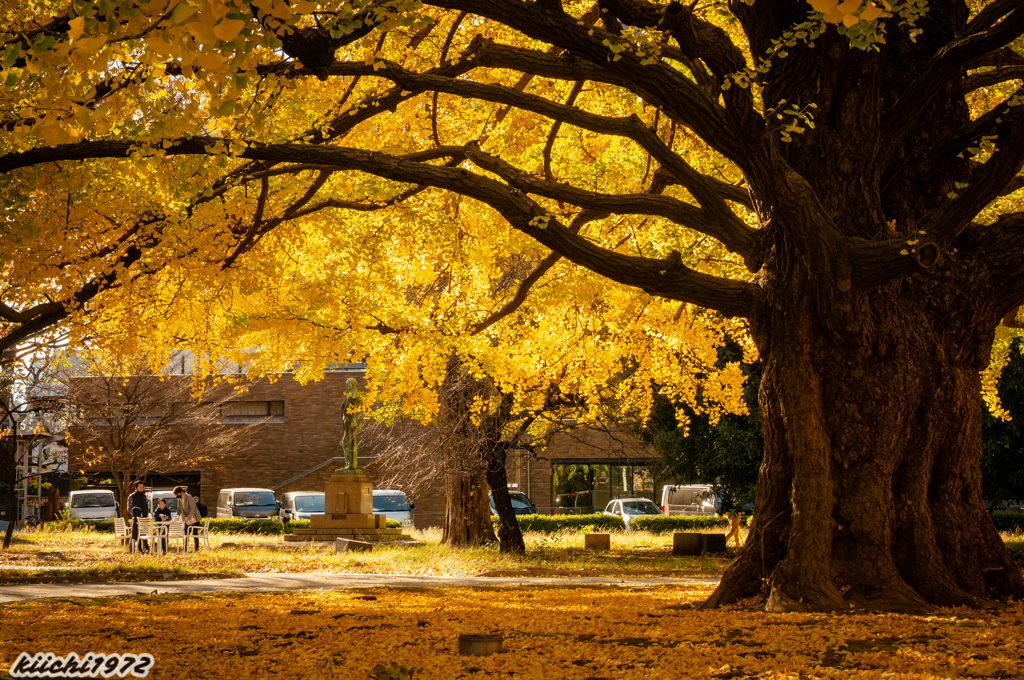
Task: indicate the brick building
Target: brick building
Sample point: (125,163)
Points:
(296,446)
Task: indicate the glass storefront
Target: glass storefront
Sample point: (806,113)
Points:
(585,487)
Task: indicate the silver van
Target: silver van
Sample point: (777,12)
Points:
(91,505)
(247,503)
(393,505)
(301,504)
(688,499)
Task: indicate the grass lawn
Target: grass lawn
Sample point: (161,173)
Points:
(92,553)
(556,633)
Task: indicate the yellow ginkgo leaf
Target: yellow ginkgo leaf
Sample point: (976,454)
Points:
(76,27)
(871,13)
(228,29)
(823,6)
(202,31)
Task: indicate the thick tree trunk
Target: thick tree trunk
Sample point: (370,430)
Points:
(510,536)
(870,490)
(467,517)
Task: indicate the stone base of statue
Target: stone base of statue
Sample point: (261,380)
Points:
(348,513)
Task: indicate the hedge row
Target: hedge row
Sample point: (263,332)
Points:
(549,524)
(104,526)
(660,524)
(1009,521)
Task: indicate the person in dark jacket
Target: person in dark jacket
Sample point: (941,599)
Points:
(138,506)
(161,513)
(138,500)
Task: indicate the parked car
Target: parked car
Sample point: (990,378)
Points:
(1008,506)
(168,495)
(91,505)
(688,499)
(631,508)
(521,503)
(394,505)
(247,504)
(301,504)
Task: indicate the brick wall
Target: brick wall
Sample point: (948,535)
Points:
(284,453)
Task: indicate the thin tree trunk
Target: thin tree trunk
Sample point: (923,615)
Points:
(510,536)
(11,503)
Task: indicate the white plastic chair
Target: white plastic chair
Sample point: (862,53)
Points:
(176,534)
(121,531)
(145,533)
(202,531)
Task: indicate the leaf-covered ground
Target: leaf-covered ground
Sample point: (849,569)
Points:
(90,552)
(583,633)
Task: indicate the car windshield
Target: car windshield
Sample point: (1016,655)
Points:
(311,503)
(245,499)
(520,501)
(640,508)
(93,500)
(390,502)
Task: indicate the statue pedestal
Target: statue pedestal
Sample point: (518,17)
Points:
(348,513)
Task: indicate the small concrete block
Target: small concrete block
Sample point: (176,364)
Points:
(712,543)
(685,544)
(480,645)
(350,545)
(597,541)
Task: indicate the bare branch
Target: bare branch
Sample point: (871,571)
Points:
(980,37)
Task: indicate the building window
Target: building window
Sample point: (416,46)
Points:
(582,488)
(252,411)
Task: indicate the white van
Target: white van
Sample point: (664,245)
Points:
(688,499)
(168,496)
(92,504)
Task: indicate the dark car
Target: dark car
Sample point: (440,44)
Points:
(521,503)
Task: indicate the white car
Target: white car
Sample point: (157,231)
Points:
(631,508)
(393,505)
(301,504)
(92,505)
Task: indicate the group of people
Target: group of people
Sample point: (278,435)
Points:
(190,511)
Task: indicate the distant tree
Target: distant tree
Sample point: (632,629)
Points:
(725,454)
(1002,468)
(29,412)
(133,421)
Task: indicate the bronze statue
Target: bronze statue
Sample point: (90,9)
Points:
(351,419)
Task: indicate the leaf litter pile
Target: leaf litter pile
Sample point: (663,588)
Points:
(584,633)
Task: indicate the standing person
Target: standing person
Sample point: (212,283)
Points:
(137,507)
(162,514)
(188,512)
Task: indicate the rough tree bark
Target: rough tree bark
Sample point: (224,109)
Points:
(467,515)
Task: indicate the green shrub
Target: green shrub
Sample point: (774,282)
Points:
(103,526)
(393,524)
(549,524)
(1009,521)
(660,524)
(238,525)
(295,524)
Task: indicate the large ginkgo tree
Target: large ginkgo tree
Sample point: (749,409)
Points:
(841,176)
